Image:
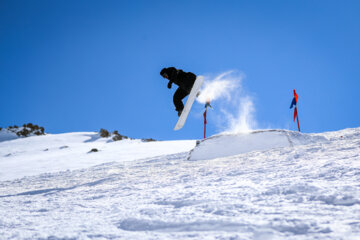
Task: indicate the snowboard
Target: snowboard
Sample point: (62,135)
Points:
(189,102)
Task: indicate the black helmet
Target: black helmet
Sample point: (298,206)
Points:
(163,71)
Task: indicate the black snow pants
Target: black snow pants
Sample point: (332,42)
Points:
(185,83)
(179,95)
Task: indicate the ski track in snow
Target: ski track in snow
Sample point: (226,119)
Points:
(301,192)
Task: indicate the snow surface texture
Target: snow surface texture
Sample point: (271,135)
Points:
(307,190)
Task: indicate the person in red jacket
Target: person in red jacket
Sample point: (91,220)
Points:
(185,81)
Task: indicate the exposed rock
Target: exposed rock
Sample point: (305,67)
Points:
(26,130)
(148,140)
(104,133)
(94,150)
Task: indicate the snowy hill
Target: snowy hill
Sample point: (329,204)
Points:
(272,184)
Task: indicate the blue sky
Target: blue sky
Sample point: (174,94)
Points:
(85,65)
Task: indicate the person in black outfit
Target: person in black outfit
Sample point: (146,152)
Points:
(185,81)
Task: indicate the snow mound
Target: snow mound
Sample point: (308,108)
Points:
(6,135)
(225,145)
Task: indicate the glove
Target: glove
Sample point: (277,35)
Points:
(169,85)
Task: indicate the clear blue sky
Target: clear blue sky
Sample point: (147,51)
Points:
(85,65)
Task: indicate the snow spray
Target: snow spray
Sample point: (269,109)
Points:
(234,108)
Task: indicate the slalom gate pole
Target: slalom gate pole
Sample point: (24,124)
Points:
(205,123)
(294,102)
(297,118)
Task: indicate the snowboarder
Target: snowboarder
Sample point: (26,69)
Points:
(185,81)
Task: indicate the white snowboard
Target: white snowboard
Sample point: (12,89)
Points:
(189,102)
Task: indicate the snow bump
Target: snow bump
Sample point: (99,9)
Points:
(225,145)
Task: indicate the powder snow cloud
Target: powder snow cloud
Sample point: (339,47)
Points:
(234,109)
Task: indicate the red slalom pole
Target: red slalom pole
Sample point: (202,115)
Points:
(297,118)
(205,122)
(294,103)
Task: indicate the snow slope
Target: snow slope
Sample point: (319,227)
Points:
(307,190)
(69,151)
(6,135)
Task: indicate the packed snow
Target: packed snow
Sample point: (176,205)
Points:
(272,184)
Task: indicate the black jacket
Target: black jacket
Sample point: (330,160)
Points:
(185,80)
